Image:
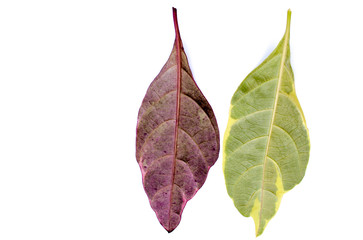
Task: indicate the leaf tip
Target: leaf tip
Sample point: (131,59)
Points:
(176,25)
(260,230)
(175,18)
(288,21)
(169,230)
(170,226)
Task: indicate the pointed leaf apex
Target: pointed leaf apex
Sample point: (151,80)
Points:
(176,26)
(288,23)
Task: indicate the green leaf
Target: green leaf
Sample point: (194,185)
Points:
(266,143)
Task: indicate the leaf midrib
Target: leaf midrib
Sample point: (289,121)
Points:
(177,112)
(282,63)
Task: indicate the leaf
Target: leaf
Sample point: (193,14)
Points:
(177,137)
(266,143)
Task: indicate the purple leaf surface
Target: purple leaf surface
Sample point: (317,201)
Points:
(177,137)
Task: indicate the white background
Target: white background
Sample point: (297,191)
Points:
(72,77)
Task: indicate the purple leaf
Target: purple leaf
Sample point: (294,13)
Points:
(177,137)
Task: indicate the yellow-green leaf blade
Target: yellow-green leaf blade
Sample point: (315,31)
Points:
(266,144)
